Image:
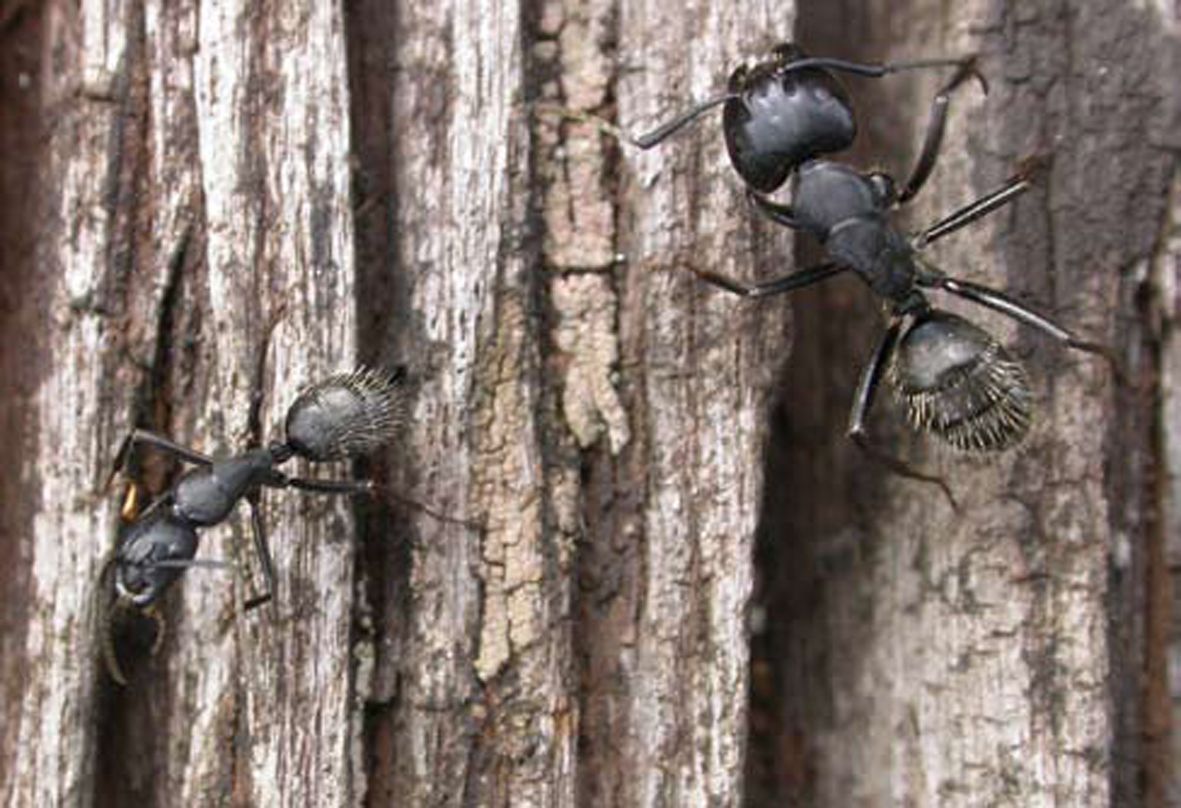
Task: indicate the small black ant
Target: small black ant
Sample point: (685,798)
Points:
(344,416)
(788,108)
(957,381)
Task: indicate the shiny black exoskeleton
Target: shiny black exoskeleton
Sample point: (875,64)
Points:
(344,416)
(341,417)
(776,118)
(789,108)
(781,117)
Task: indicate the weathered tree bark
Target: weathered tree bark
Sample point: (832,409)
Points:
(995,655)
(546,602)
(561,555)
(196,193)
(588,642)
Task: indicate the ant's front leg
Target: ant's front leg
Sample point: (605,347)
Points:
(780,214)
(936,125)
(141,436)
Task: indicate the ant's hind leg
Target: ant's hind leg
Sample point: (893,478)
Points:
(1000,302)
(867,388)
(324,486)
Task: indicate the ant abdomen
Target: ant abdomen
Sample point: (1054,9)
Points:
(345,416)
(959,383)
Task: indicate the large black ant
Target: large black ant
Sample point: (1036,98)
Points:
(956,380)
(344,416)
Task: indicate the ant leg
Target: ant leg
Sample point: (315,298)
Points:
(787,283)
(142,436)
(998,301)
(261,547)
(780,214)
(129,510)
(1018,184)
(322,486)
(936,124)
(157,617)
(867,388)
(262,550)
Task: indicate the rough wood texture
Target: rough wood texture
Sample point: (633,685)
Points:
(1162,696)
(198,162)
(702,368)
(49,711)
(548,391)
(995,655)
(547,602)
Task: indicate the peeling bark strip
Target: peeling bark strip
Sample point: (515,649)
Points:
(482,715)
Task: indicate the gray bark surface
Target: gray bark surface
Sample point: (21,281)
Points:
(557,564)
(570,569)
(995,655)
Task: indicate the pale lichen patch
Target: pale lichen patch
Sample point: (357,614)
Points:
(586,333)
(508,476)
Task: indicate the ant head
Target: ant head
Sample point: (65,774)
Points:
(344,416)
(152,554)
(779,117)
(958,382)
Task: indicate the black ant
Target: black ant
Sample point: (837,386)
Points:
(344,416)
(956,380)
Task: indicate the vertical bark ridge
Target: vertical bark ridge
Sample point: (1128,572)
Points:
(705,367)
(1162,640)
(480,660)
(24,293)
(92,96)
